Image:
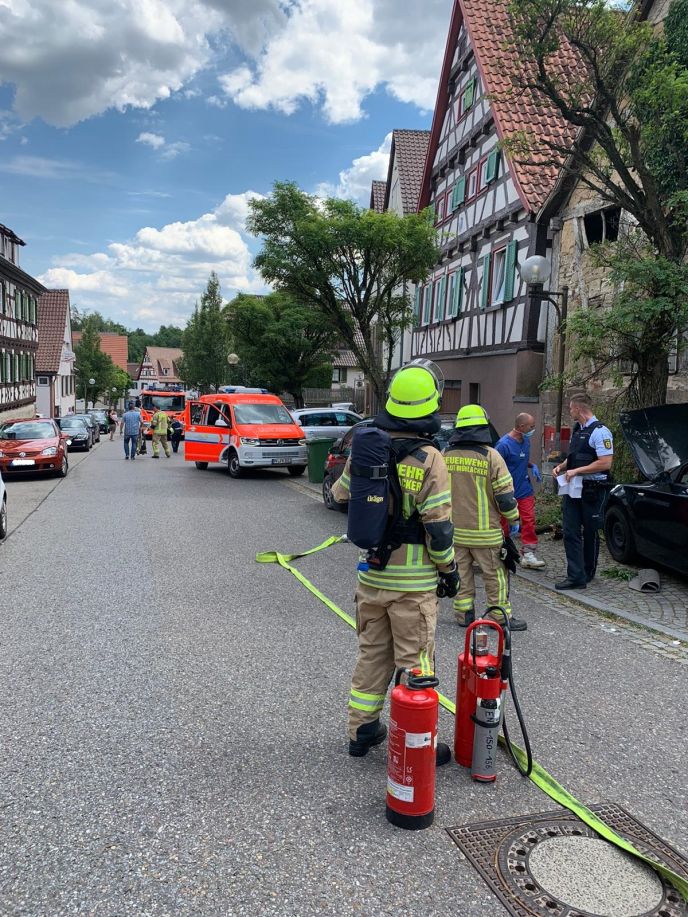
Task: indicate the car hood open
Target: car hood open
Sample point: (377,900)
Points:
(658,437)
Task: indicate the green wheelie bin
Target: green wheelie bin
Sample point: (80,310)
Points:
(317,454)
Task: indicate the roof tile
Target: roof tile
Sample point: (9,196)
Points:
(410,149)
(53,309)
(378,191)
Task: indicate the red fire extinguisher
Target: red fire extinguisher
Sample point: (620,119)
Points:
(479,689)
(411,751)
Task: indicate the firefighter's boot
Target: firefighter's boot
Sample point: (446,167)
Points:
(442,754)
(367,735)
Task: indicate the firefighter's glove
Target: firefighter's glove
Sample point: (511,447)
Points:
(448,583)
(536,473)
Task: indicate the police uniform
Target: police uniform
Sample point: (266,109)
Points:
(482,495)
(396,607)
(582,516)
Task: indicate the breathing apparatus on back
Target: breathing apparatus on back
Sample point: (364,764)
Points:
(376,520)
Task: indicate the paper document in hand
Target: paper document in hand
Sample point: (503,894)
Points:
(572,488)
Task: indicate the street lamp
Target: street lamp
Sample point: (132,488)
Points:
(90,382)
(115,399)
(232,359)
(535,272)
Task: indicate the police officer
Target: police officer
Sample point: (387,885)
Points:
(396,607)
(482,495)
(591,452)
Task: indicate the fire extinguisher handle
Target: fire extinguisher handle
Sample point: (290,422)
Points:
(416,682)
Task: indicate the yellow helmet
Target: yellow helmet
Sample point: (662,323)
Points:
(471,415)
(415,390)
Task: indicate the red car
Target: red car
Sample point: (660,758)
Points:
(31,445)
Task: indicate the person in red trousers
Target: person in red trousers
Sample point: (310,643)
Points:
(514,447)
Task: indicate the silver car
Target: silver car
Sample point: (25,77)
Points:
(325,421)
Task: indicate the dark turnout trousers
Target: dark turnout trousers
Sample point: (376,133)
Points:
(582,520)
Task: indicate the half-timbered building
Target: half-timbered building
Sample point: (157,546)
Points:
(472,315)
(19,294)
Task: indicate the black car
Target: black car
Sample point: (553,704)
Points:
(102,419)
(93,426)
(339,452)
(79,432)
(650,519)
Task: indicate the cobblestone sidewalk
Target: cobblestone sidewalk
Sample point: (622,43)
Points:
(666,611)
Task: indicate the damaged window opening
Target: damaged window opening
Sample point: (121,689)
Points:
(602,225)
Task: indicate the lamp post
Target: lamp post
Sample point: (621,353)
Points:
(233,361)
(115,399)
(535,272)
(91,381)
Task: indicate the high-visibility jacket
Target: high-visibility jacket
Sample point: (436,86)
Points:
(162,423)
(425,487)
(482,492)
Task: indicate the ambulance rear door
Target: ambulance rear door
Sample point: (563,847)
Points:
(205,440)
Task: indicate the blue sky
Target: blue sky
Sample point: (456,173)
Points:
(134,131)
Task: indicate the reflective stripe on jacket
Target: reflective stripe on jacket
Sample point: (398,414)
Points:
(425,487)
(478,475)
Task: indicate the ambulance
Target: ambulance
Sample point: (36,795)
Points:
(243,430)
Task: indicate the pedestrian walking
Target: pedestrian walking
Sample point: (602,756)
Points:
(591,452)
(160,425)
(112,423)
(482,495)
(131,426)
(514,448)
(396,601)
(177,428)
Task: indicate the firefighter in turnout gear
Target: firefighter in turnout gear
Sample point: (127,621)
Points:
(396,605)
(482,494)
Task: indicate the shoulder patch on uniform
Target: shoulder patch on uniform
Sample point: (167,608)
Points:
(421,455)
(607,443)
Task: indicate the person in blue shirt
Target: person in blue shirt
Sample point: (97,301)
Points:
(514,447)
(591,452)
(131,425)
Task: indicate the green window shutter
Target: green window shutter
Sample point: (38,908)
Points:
(492,166)
(458,193)
(510,270)
(416,305)
(458,292)
(439,302)
(468,95)
(427,292)
(431,208)
(485,291)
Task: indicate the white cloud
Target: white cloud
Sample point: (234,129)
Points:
(355,181)
(71,61)
(44,167)
(157,276)
(158,142)
(336,53)
(153,140)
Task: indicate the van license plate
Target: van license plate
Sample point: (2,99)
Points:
(281,461)
(23,462)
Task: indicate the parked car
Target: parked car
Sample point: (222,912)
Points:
(650,519)
(344,406)
(3,510)
(325,421)
(33,444)
(339,452)
(92,425)
(102,419)
(79,432)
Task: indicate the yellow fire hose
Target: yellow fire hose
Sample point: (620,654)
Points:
(540,777)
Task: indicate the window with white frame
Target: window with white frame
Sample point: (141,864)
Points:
(471,184)
(498,281)
(427,303)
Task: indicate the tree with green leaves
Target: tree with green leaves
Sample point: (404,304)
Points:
(627,101)
(91,363)
(121,382)
(345,262)
(205,342)
(283,346)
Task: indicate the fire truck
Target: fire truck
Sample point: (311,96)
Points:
(168,398)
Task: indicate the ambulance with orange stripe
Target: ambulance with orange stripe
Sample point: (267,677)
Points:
(243,430)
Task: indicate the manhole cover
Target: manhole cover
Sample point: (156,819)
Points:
(595,876)
(553,864)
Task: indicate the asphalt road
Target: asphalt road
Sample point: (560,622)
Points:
(172,730)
